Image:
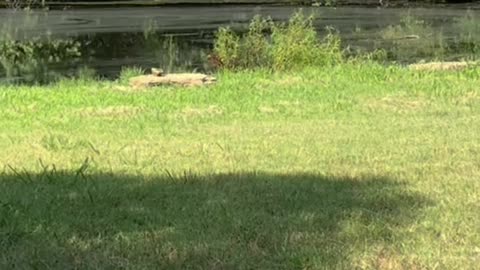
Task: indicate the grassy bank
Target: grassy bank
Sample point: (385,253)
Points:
(357,165)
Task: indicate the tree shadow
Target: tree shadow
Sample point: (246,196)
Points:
(63,220)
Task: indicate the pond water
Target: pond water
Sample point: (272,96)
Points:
(116,36)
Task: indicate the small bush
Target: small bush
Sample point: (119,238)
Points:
(255,48)
(227,48)
(277,46)
(250,51)
(295,43)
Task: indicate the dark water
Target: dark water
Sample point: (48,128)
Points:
(115,37)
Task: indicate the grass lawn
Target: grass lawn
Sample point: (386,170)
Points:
(356,166)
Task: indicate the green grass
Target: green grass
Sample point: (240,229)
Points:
(354,166)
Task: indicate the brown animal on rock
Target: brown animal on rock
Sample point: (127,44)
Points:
(215,61)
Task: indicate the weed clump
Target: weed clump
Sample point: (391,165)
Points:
(277,46)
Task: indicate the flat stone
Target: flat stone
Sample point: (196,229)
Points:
(176,79)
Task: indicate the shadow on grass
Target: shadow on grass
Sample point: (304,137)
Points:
(65,220)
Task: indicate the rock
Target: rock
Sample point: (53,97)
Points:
(177,79)
(440,66)
(157,71)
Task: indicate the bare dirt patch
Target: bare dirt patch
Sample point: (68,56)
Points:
(396,104)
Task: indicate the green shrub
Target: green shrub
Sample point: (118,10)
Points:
(255,48)
(227,47)
(277,46)
(249,51)
(297,44)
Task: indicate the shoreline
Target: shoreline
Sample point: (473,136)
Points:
(186,3)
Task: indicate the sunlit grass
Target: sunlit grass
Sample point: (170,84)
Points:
(352,166)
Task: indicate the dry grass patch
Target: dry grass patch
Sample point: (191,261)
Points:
(286,80)
(110,111)
(468,99)
(20,111)
(267,109)
(384,259)
(440,66)
(128,89)
(189,113)
(396,104)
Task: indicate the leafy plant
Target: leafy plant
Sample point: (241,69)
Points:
(297,44)
(227,48)
(255,48)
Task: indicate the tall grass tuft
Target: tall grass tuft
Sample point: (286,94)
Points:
(86,74)
(128,72)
